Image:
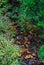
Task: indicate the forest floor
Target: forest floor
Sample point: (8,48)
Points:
(30,47)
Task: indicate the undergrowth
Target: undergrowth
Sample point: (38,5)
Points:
(26,13)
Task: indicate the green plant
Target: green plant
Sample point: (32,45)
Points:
(41,52)
(5,23)
(3,2)
(41,24)
(6,26)
(8,52)
(30,11)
